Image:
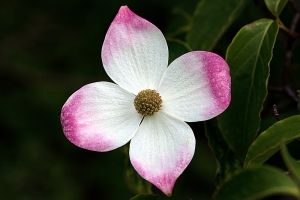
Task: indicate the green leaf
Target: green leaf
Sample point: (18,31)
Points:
(249,57)
(268,142)
(177,48)
(258,182)
(211,20)
(275,6)
(228,163)
(145,197)
(292,164)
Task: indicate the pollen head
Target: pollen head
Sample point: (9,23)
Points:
(147,102)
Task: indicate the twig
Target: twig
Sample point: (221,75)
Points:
(275,89)
(276,113)
(291,93)
(289,52)
(289,31)
(294,6)
(294,23)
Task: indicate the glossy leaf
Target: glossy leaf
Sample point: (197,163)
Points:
(255,183)
(268,142)
(248,56)
(275,6)
(211,20)
(292,164)
(227,162)
(145,197)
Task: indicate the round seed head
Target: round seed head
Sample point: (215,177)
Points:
(147,102)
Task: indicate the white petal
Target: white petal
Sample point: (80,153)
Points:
(196,86)
(134,52)
(161,150)
(100,117)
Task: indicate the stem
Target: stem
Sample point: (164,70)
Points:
(293,36)
(276,112)
(294,6)
(291,32)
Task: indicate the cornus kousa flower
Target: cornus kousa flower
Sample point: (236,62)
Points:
(150,102)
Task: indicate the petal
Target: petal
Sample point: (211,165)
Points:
(161,149)
(134,52)
(196,86)
(100,117)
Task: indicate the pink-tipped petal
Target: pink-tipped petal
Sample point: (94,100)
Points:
(134,52)
(161,150)
(196,86)
(100,117)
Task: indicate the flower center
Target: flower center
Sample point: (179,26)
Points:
(147,102)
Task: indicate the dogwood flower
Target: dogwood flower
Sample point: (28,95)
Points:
(150,102)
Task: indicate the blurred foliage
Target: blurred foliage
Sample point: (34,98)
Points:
(49,49)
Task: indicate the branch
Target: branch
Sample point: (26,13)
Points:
(276,113)
(294,6)
(288,56)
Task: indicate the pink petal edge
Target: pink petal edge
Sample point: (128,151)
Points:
(124,16)
(196,86)
(162,149)
(134,52)
(218,74)
(100,117)
(165,181)
(71,126)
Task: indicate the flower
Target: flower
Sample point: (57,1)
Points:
(150,102)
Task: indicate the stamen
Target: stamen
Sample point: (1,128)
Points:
(147,102)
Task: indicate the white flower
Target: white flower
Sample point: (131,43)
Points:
(101,116)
